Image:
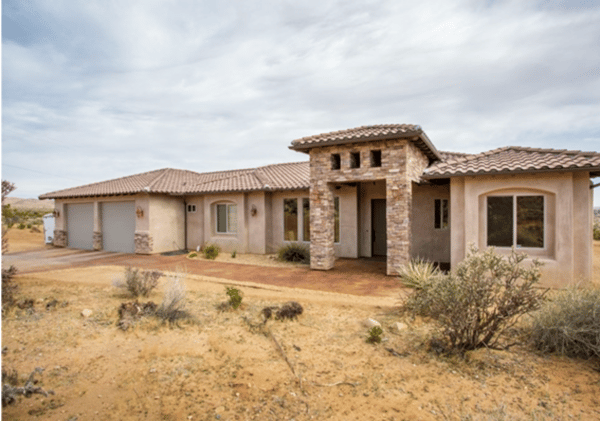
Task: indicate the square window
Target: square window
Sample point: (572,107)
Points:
(376,158)
(191,208)
(354,159)
(336,161)
(515,221)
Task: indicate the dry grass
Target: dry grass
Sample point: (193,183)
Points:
(223,363)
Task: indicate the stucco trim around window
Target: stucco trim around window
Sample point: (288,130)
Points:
(225,218)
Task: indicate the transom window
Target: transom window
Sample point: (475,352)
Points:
(516,220)
(226,218)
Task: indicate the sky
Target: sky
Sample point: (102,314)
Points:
(100,89)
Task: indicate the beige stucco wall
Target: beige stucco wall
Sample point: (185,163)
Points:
(166,222)
(258,222)
(195,223)
(567,251)
(428,242)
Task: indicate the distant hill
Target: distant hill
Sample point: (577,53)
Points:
(29,204)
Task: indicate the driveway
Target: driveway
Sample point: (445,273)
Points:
(350,276)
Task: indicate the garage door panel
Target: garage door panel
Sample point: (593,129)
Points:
(118,226)
(80,225)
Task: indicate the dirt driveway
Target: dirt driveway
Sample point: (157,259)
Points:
(350,276)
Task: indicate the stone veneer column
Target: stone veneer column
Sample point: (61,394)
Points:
(143,243)
(322,226)
(398,203)
(97,240)
(60,238)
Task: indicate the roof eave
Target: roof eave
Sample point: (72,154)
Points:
(594,172)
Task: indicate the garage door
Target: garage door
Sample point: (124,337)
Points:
(80,226)
(118,226)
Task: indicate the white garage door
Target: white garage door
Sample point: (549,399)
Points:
(80,225)
(118,226)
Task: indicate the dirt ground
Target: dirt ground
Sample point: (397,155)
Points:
(25,239)
(225,365)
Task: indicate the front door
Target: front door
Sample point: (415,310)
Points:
(378,228)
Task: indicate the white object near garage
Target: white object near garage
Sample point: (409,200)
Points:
(118,226)
(48,228)
(80,225)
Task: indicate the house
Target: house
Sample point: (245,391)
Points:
(381,190)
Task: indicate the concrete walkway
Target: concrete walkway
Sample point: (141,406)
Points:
(349,276)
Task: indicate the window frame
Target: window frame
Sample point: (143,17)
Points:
(443,224)
(227,213)
(191,208)
(514,197)
(297,220)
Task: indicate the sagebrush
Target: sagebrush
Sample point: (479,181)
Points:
(294,252)
(173,305)
(211,251)
(476,304)
(569,324)
(235,297)
(138,282)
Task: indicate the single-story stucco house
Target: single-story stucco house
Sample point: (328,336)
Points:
(381,190)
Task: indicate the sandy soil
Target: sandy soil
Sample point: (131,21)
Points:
(25,239)
(265,260)
(224,365)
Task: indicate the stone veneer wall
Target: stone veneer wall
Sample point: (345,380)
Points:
(143,243)
(60,238)
(97,240)
(401,163)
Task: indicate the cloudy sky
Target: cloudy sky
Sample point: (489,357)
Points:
(99,89)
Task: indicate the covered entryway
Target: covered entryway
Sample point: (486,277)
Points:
(378,227)
(80,225)
(118,226)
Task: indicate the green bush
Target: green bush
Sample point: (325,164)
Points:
(569,324)
(294,252)
(211,251)
(234,254)
(597,230)
(477,303)
(375,335)
(192,255)
(21,226)
(235,296)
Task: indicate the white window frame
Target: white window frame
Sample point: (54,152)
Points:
(227,227)
(514,215)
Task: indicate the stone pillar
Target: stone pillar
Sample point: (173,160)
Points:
(143,243)
(322,226)
(60,238)
(97,239)
(398,205)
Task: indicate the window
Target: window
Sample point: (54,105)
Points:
(354,159)
(336,161)
(376,158)
(336,216)
(290,219)
(441,213)
(306,219)
(515,221)
(226,219)
(191,208)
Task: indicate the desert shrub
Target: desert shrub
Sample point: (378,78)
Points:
(417,274)
(375,335)
(21,226)
(596,229)
(569,324)
(9,288)
(211,251)
(172,307)
(10,389)
(235,296)
(138,282)
(192,255)
(477,303)
(233,254)
(294,252)
(132,311)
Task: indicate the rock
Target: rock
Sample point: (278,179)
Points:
(399,326)
(371,323)
(86,313)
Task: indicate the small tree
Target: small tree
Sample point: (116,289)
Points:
(483,298)
(7,188)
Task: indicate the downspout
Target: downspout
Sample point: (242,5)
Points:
(185,227)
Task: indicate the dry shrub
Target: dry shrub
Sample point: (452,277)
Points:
(138,282)
(290,310)
(172,307)
(211,251)
(569,324)
(294,252)
(10,390)
(132,311)
(477,303)
(9,288)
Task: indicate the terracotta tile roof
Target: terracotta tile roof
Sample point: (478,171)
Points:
(514,159)
(287,176)
(369,133)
